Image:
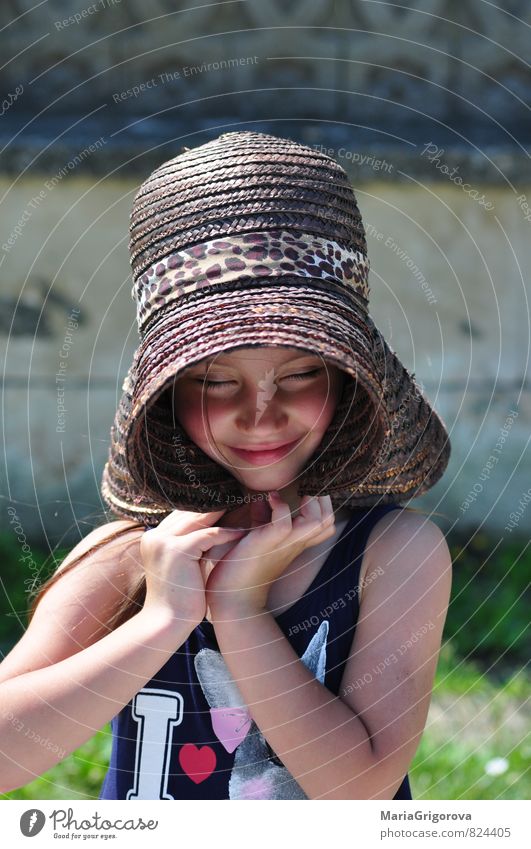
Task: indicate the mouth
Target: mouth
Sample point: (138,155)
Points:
(264,456)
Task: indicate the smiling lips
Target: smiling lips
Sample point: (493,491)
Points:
(262,457)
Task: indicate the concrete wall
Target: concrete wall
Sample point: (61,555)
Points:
(425,105)
(449,290)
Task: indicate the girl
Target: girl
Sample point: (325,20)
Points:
(263,620)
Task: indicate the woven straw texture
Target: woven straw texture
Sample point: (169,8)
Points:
(385,443)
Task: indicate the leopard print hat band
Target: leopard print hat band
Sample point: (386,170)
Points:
(246,257)
(249,240)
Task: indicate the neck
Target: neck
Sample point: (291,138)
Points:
(288,494)
(256,510)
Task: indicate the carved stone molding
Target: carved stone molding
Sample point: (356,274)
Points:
(372,58)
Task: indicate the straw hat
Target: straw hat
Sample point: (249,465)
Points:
(246,240)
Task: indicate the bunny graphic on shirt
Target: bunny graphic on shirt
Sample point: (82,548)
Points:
(257,773)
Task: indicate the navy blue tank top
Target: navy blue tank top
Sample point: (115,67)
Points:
(187,733)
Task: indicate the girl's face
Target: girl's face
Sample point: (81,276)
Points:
(233,404)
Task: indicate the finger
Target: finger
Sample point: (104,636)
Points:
(325,533)
(325,516)
(280,511)
(186,519)
(310,511)
(206,565)
(195,543)
(310,508)
(316,520)
(219,535)
(328,515)
(307,531)
(314,533)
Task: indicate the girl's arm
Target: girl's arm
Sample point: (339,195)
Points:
(68,675)
(66,703)
(357,745)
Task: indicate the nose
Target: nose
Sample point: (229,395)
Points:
(261,413)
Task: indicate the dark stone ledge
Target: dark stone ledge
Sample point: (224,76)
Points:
(426,151)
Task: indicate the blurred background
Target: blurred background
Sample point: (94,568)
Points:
(427,107)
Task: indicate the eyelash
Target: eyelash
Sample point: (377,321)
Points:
(302,376)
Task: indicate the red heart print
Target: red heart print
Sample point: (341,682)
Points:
(198,764)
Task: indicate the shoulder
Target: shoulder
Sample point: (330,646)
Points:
(405,546)
(111,534)
(106,567)
(403,540)
(403,528)
(110,547)
(74,611)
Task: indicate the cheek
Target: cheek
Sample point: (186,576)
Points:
(328,411)
(325,401)
(192,416)
(318,409)
(187,410)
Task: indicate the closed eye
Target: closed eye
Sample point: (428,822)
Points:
(301,376)
(212,383)
(304,375)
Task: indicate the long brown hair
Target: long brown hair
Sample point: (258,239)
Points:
(130,604)
(133,602)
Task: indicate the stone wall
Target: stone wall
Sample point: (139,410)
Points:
(390,62)
(424,106)
(449,292)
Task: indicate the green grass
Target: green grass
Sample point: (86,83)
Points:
(79,776)
(478,710)
(488,617)
(472,720)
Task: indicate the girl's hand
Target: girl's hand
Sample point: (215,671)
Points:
(170,556)
(240,581)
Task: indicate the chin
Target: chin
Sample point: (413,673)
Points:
(267,483)
(265,478)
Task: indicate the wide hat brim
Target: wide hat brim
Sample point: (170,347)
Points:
(385,444)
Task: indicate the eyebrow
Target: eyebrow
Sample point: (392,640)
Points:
(223,361)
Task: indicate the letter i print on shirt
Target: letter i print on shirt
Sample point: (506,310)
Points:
(157,712)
